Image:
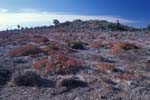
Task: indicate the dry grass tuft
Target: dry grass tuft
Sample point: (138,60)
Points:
(105,66)
(129,76)
(125,76)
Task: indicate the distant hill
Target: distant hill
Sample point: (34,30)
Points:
(92,25)
(82,26)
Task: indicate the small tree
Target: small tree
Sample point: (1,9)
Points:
(148,27)
(56,22)
(118,23)
(18,26)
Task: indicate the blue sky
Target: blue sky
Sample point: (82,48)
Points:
(41,12)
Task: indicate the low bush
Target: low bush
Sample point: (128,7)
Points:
(27,79)
(95,45)
(40,64)
(40,39)
(49,48)
(60,64)
(24,51)
(4,76)
(122,46)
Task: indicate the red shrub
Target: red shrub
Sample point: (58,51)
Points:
(39,39)
(95,45)
(129,76)
(60,56)
(72,62)
(49,48)
(40,64)
(58,64)
(49,66)
(120,46)
(24,51)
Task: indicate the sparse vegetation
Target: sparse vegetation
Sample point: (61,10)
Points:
(59,61)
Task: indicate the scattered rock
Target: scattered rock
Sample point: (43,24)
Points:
(77,46)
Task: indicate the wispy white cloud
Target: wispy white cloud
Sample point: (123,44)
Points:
(31,17)
(2,10)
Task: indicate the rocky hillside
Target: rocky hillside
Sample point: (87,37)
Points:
(75,61)
(93,25)
(84,26)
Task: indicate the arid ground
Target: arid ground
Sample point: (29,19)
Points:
(74,64)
